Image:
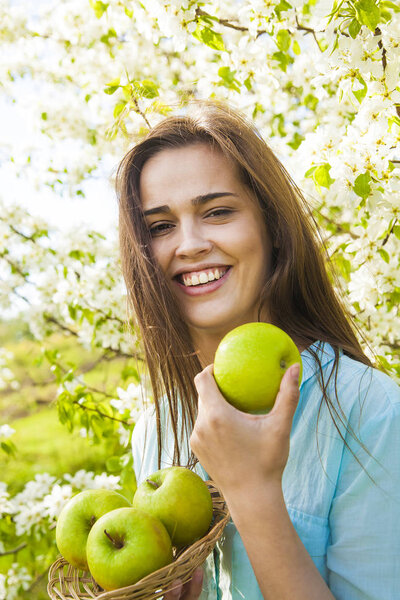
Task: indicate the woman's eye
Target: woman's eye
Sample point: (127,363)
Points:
(159,228)
(220,212)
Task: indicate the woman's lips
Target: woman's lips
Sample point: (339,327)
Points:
(203,288)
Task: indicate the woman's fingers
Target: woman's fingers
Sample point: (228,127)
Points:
(175,591)
(190,591)
(204,379)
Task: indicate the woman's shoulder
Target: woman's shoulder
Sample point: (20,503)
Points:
(367,389)
(359,394)
(351,375)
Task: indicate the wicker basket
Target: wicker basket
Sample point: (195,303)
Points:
(68,583)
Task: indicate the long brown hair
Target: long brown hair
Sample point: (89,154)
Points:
(299,292)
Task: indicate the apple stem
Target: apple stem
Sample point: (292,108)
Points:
(153,483)
(115,542)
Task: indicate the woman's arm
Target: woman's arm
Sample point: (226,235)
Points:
(245,455)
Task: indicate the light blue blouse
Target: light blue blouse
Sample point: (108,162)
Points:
(347,514)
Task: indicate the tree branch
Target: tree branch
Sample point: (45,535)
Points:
(16,268)
(51,319)
(389,233)
(96,410)
(14,550)
(308,30)
(227,23)
(140,112)
(381,46)
(224,22)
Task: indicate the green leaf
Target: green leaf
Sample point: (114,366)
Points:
(247,83)
(387,4)
(105,39)
(368,13)
(118,108)
(296,47)
(384,254)
(310,101)
(130,372)
(354,28)
(258,108)
(112,86)
(9,447)
(396,231)
(283,40)
(283,59)
(310,172)
(98,7)
(361,185)
(282,7)
(208,36)
(77,254)
(128,483)
(110,90)
(114,464)
(149,88)
(72,311)
(296,141)
(360,94)
(321,175)
(278,125)
(343,265)
(228,79)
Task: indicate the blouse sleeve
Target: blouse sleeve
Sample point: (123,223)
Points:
(363,556)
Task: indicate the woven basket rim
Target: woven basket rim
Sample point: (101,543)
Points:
(67,583)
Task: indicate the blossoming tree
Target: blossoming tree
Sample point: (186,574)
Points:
(320,79)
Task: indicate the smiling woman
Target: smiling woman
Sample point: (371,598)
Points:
(209,240)
(215,234)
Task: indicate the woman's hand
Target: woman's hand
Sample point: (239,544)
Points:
(239,449)
(189,591)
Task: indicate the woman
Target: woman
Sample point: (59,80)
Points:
(215,234)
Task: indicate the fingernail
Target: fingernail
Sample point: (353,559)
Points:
(295,372)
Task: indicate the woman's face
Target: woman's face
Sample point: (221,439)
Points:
(208,235)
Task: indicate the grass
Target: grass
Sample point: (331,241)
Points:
(44,445)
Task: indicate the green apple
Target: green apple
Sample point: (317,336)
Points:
(249,364)
(180,499)
(124,546)
(77,518)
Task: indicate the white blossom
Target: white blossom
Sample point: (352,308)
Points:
(6,431)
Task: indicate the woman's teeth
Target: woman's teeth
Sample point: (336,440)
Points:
(203,277)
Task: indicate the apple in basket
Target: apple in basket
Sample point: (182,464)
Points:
(78,517)
(124,546)
(180,499)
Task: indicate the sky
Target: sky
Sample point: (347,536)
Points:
(98,209)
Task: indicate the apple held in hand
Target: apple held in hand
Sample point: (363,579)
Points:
(249,364)
(180,499)
(78,517)
(124,546)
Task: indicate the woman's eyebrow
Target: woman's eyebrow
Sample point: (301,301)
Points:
(197,201)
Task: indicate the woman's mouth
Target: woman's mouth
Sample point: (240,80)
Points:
(202,282)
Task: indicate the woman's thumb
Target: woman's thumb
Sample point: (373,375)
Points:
(288,395)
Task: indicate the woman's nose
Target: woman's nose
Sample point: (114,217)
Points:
(193,242)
